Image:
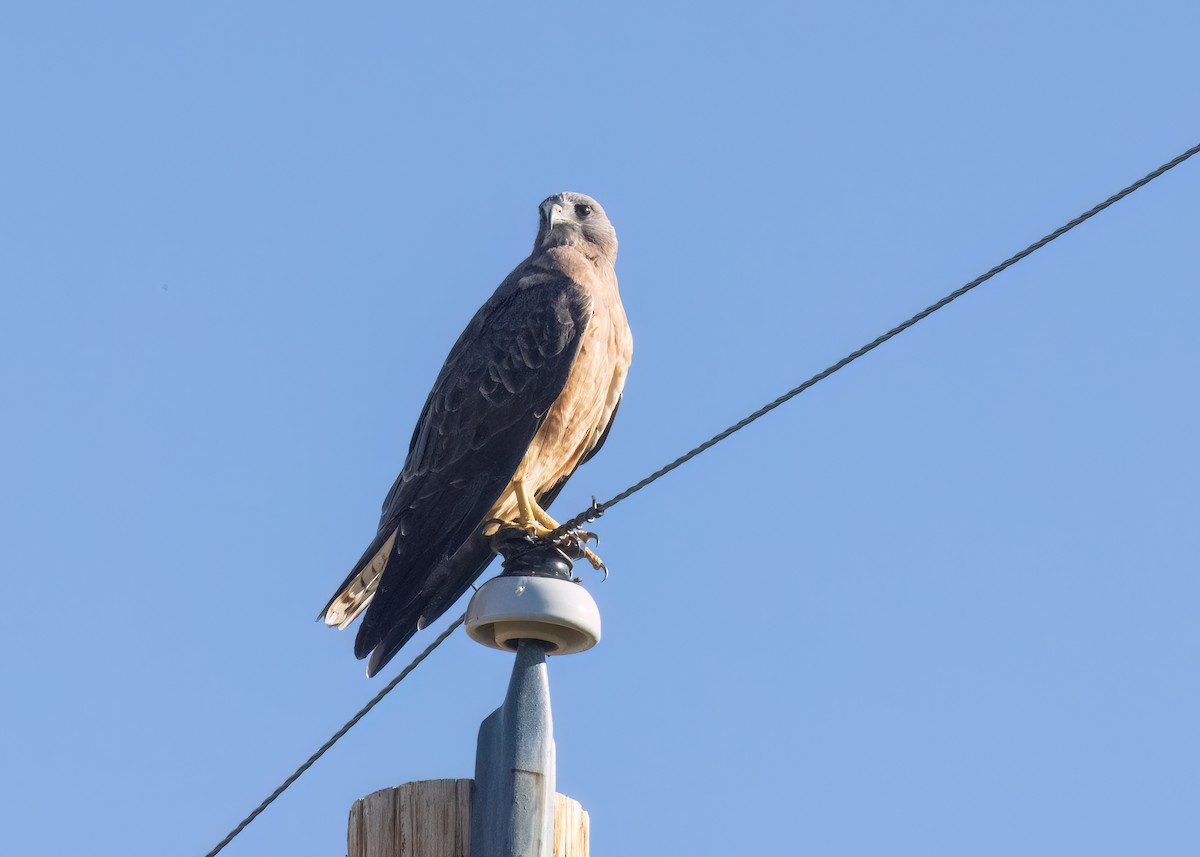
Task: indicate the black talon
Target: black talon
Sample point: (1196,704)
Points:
(571,544)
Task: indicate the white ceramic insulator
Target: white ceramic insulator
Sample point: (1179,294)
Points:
(557,612)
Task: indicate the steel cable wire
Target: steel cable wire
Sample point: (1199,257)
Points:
(338,735)
(598,509)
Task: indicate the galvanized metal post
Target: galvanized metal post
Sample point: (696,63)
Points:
(512,813)
(534,608)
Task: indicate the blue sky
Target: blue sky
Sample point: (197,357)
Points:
(943,603)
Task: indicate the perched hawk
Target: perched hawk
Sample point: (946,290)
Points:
(528,393)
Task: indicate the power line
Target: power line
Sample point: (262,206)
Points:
(337,735)
(598,509)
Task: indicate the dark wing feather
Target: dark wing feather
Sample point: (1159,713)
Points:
(501,377)
(452,578)
(446,584)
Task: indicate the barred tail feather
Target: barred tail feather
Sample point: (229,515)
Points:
(356,592)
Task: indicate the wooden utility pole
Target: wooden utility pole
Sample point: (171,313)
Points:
(432,818)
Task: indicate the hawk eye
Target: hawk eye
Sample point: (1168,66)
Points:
(582,210)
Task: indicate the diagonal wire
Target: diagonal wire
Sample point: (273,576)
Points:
(338,735)
(598,509)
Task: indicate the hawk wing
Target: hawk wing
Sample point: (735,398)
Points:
(503,374)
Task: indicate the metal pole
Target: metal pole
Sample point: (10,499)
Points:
(512,811)
(536,609)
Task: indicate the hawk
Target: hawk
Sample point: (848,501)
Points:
(527,394)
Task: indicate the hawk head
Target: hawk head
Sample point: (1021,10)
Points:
(575,218)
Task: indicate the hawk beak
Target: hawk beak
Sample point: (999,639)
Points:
(556,214)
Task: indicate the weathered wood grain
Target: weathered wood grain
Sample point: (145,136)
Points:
(432,818)
(571,828)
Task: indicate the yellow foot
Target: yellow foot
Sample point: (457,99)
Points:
(596,562)
(531,517)
(534,520)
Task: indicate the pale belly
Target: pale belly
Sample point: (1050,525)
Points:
(577,419)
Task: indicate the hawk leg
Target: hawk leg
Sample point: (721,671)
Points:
(537,522)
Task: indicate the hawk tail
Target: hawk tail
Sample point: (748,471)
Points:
(357,590)
(424,604)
